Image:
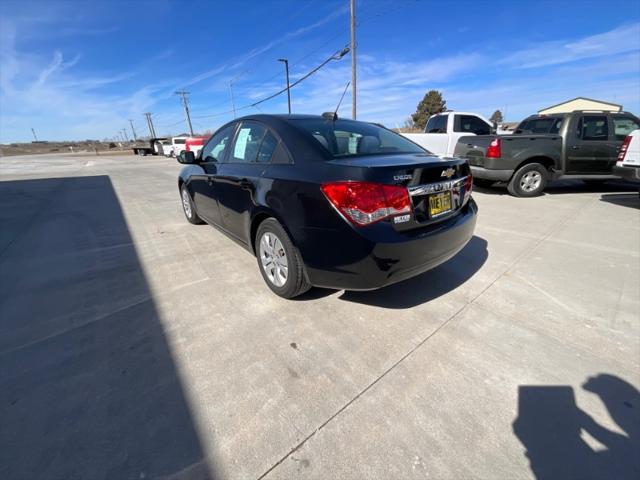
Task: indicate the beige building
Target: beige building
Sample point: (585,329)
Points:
(581,103)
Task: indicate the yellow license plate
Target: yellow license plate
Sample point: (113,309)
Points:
(439,203)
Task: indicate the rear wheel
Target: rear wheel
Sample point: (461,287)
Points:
(188,207)
(483,182)
(279,260)
(528,181)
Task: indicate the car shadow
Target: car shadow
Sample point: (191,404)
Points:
(429,285)
(561,187)
(88,385)
(563,441)
(631,200)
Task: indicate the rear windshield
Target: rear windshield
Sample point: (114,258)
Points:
(540,125)
(179,141)
(348,138)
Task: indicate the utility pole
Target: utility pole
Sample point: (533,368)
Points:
(353,59)
(135,139)
(233,103)
(185,103)
(286,69)
(34,134)
(152,131)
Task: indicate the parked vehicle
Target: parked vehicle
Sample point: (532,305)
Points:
(153,146)
(167,148)
(329,202)
(178,145)
(444,129)
(628,164)
(194,144)
(580,145)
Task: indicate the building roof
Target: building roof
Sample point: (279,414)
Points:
(581,98)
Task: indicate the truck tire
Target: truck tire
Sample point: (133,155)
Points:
(529,180)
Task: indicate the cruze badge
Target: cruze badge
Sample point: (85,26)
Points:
(402,177)
(448,173)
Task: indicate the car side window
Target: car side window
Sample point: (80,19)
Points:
(471,124)
(593,127)
(268,145)
(247,143)
(437,124)
(623,126)
(216,147)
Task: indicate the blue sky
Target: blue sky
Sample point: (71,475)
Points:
(76,70)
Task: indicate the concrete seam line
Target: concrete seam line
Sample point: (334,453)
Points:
(40,211)
(368,387)
(144,299)
(537,243)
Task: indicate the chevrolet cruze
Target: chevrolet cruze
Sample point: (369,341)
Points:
(328,202)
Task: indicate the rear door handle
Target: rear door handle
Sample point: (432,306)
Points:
(246,184)
(575,147)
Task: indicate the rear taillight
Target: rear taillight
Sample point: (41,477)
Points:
(363,203)
(468,187)
(624,148)
(495,149)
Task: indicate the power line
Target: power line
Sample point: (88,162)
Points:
(185,103)
(336,56)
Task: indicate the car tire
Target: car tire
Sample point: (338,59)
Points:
(529,181)
(188,206)
(279,260)
(483,182)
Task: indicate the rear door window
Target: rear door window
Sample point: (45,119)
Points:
(437,124)
(247,143)
(593,127)
(471,124)
(268,145)
(623,126)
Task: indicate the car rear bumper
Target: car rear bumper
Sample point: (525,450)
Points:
(353,261)
(628,173)
(490,174)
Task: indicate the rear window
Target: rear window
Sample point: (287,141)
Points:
(348,138)
(540,125)
(179,141)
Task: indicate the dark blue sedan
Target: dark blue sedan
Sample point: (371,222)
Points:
(328,202)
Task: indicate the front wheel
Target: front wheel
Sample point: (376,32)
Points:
(279,260)
(528,181)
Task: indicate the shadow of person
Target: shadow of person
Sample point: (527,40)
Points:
(623,403)
(554,430)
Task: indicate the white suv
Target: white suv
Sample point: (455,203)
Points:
(628,164)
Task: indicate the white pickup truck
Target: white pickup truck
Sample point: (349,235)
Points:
(444,129)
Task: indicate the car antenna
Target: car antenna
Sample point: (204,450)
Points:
(333,116)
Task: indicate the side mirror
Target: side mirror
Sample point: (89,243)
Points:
(186,157)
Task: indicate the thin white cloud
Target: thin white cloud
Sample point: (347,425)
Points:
(619,40)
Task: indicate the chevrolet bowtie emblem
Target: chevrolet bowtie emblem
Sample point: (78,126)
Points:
(448,173)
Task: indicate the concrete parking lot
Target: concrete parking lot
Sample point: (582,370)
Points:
(134,345)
